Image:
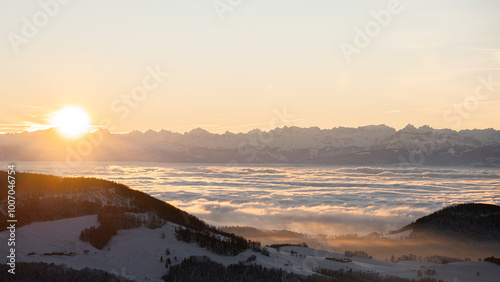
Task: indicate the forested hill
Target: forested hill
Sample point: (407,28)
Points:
(44,197)
(469,221)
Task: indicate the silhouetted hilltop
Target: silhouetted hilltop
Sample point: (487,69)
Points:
(44,197)
(469,221)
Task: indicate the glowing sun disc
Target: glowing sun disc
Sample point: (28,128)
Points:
(72,121)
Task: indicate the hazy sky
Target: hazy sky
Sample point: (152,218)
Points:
(239,66)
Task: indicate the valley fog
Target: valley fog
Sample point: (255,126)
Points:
(378,247)
(305,199)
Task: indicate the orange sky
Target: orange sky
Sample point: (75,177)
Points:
(254,65)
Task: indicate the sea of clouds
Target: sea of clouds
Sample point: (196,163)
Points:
(306,199)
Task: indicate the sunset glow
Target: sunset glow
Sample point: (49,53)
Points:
(240,141)
(72,121)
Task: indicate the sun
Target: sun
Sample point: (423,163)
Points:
(71,121)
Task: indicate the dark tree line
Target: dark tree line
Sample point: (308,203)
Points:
(110,223)
(434,259)
(98,236)
(359,254)
(343,260)
(493,259)
(229,246)
(44,272)
(277,246)
(202,269)
(350,275)
(128,220)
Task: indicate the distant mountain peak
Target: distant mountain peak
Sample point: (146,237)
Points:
(364,145)
(199,132)
(409,128)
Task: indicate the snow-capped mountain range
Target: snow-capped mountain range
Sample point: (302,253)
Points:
(376,144)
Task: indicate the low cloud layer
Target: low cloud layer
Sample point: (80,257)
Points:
(327,200)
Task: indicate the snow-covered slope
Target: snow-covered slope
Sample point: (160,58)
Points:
(136,254)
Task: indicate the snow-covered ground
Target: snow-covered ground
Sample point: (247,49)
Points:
(135,254)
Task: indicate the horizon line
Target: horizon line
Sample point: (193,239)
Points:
(258,129)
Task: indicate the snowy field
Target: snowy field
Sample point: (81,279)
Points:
(136,253)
